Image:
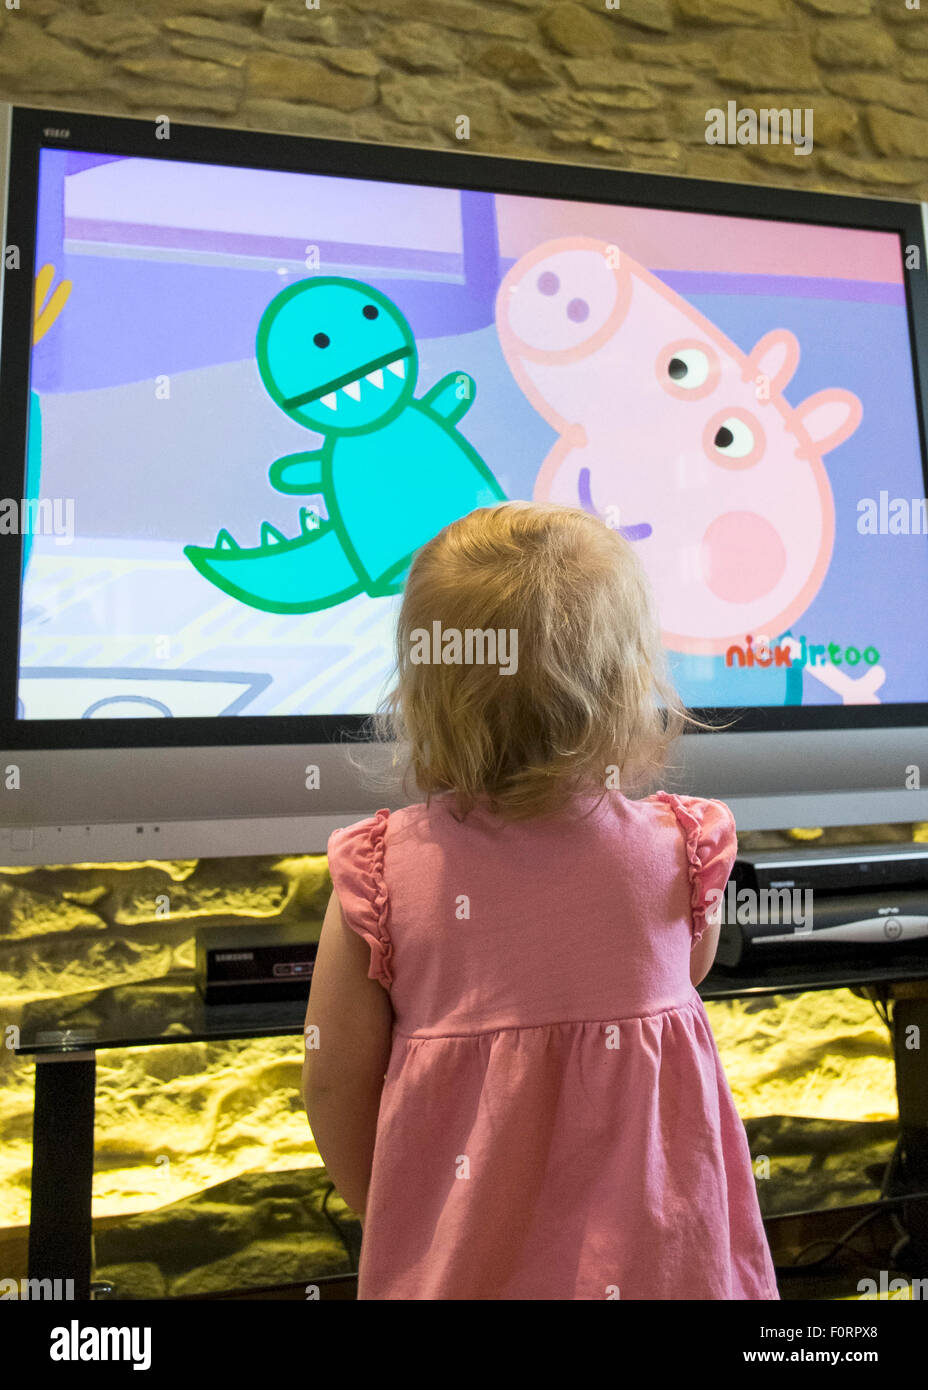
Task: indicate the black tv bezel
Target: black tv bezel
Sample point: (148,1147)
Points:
(107,134)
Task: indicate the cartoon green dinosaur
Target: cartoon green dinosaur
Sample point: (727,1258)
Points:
(338,357)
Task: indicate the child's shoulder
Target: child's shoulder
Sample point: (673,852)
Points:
(367,839)
(701,819)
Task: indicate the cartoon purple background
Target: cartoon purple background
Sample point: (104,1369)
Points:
(164,299)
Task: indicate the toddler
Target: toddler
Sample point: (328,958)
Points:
(516,1085)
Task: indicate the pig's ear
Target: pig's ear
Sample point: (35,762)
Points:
(829,417)
(776,357)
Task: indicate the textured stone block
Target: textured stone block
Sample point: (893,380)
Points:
(655,15)
(775,14)
(520,67)
(306,79)
(566,111)
(782,157)
(578,32)
(890,173)
(193,27)
(843,8)
(209,51)
(894,134)
(280,21)
(625,99)
(217,9)
(689,57)
(30,61)
(183,72)
(898,12)
(879,89)
(915,68)
(436,103)
(359,62)
(783,64)
(628,82)
(421,48)
(459,16)
(834,122)
(861,45)
(103,33)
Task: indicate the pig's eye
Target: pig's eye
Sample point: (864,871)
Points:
(689,368)
(734,438)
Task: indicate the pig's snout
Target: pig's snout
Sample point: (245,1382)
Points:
(560,305)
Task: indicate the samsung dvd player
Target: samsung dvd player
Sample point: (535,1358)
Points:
(260,961)
(779,901)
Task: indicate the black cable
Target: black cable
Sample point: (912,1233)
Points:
(887,1206)
(834,1244)
(349,1253)
(890,1170)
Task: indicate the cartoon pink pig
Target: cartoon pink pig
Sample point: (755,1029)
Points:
(676,437)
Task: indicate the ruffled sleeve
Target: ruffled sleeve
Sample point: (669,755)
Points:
(711,847)
(356,867)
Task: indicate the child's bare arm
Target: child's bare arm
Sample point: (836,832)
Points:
(343,1077)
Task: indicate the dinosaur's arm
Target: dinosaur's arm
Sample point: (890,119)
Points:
(452,397)
(298,473)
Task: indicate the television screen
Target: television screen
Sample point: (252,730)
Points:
(255,393)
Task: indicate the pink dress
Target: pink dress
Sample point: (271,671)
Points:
(555,1120)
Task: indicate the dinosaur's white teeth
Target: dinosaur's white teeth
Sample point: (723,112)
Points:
(353,388)
(226,542)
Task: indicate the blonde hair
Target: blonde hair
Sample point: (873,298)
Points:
(589,704)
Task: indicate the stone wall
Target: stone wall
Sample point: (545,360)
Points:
(621,83)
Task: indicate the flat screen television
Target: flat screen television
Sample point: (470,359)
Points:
(245,376)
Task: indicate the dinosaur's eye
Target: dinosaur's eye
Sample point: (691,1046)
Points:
(370,312)
(321,340)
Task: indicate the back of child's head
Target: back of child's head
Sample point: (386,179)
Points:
(576,697)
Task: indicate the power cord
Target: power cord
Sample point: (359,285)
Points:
(886,1207)
(834,1245)
(349,1252)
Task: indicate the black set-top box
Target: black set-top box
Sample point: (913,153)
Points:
(256,962)
(828,898)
